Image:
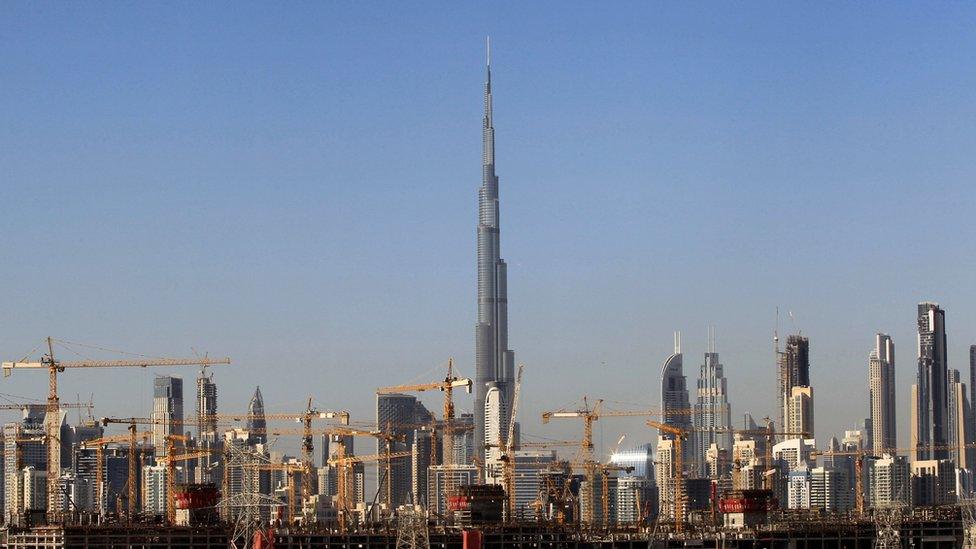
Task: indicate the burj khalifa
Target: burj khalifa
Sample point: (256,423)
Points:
(494,361)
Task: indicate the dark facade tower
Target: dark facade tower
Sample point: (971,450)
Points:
(494,361)
(794,371)
(675,405)
(930,405)
(972,382)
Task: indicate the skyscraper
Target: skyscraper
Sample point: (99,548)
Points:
(675,406)
(960,422)
(972,382)
(713,417)
(256,426)
(397,414)
(206,426)
(930,406)
(494,361)
(167,410)
(881,383)
(793,371)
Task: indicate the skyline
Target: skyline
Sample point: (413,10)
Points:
(219,257)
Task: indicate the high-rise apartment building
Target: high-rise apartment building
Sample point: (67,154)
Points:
(675,406)
(801,410)
(793,370)
(713,415)
(167,412)
(888,481)
(494,361)
(933,482)
(881,385)
(930,404)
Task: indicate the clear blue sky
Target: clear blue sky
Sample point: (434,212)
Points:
(295,185)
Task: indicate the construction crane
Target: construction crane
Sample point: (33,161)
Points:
(99,444)
(308,447)
(679,486)
(447,386)
(508,459)
(342,462)
(289,469)
(591,466)
(132,424)
(52,424)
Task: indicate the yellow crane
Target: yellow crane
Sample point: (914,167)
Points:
(99,445)
(342,462)
(591,466)
(447,386)
(52,424)
(508,458)
(679,486)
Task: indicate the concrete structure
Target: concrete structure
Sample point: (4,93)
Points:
(794,453)
(494,361)
(888,482)
(793,371)
(396,414)
(208,436)
(664,474)
(713,415)
(799,487)
(636,499)
(933,482)
(882,403)
(930,404)
(167,411)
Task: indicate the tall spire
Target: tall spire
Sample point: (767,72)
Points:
(495,362)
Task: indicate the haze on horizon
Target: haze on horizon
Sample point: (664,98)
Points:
(298,190)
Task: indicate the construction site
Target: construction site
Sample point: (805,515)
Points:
(209,480)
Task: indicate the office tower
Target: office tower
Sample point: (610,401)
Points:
(665,477)
(675,407)
(933,482)
(640,458)
(464,439)
(530,466)
(713,415)
(794,453)
(972,382)
(635,496)
(717,463)
(206,406)
(421,459)
(167,412)
(801,410)
(256,425)
(881,384)
(440,477)
(959,422)
(494,361)
(930,406)
(154,489)
(793,371)
(397,415)
(888,481)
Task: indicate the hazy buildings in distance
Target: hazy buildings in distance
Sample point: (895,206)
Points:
(167,412)
(675,407)
(712,414)
(793,370)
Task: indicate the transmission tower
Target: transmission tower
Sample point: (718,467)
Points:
(412,529)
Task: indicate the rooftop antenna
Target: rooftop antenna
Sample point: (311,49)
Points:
(488,42)
(776,332)
(677,343)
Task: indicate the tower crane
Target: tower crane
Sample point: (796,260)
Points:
(52,424)
(308,447)
(447,386)
(342,462)
(591,466)
(99,444)
(132,424)
(508,459)
(679,486)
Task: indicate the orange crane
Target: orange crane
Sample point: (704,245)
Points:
(447,386)
(679,486)
(508,458)
(54,366)
(132,424)
(289,469)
